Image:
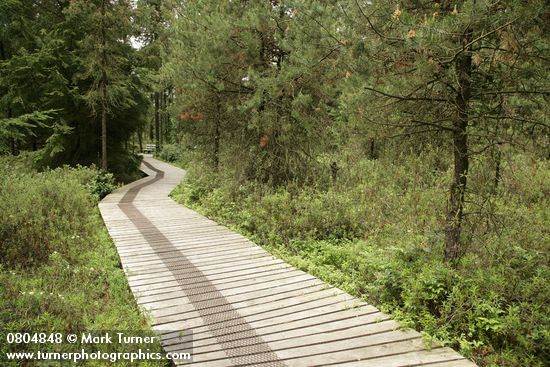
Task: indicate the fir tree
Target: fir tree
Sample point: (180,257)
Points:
(105,51)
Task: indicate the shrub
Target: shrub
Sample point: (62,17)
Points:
(40,214)
(170,153)
(377,233)
(101,184)
(59,271)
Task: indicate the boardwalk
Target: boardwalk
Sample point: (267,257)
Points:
(245,307)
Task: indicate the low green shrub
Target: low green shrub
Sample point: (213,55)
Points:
(101,184)
(59,271)
(176,153)
(42,213)
(169,153)
(378,234)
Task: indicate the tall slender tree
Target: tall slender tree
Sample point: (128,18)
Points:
(261,74)
(153,18)
(105,49)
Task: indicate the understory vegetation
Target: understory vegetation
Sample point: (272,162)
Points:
(59,269)
(376,233)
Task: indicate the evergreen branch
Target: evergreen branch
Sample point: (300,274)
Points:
(413,133)
(482,36)
(373,27)
(324,28)
(416,123)
(406,98)
(434,124)
(534,122)
(544,93)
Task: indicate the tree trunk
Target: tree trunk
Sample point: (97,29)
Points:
(140,140)
(460,150)
(217,137)
(161,118)
(103,126)
(151,125)
(157,120)
(498,158)
(334,171)
(2,51)
(103,92)
(169,126)
(372,149)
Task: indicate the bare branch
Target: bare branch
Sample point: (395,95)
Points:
(406,98)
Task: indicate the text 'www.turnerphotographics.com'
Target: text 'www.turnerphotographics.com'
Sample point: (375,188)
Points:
(111,346)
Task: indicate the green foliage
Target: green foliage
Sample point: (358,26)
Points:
(45,75)
(21,126)
(101,184)
(170,153)
(36,218)
(59,270)
(105,52)
(178,154)
(126,167)
(376,233)
(265,101)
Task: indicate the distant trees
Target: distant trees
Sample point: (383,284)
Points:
(153,20)
(67,73)
(105,51)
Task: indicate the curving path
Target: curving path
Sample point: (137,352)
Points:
(244,307)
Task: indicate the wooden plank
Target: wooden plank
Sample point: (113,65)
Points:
(229,268)
(261,319)
(159,305)
(147,289)
(240,286)
(151,300)
(212,265)
(160,278)
(300,329)
(320,297)
(335,353)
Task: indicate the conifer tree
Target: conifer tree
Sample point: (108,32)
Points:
(468,74)
(104,50)
(261,75)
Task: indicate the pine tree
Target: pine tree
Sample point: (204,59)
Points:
(261,74)
(466,73)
